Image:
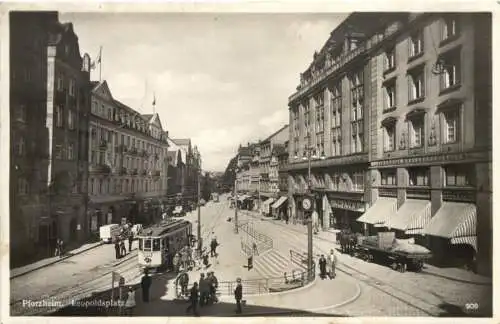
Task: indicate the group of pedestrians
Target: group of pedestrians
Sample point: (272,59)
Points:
(120,249)
(203,292)
(327,266)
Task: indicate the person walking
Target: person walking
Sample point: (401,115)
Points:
(130,302)
(214,284)
(117,249)
(193,298)
(130,239)
(176,262)
(322,266)
(61,247)
(238,295)
(123,250)
(145,285)
(332,262)
(213,247)
(204,290)
(58,249)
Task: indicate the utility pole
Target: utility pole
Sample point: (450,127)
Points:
(235,209)
(199,216)
(310,264)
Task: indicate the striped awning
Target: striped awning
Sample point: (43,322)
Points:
(411,217)
(268,202)
(453,220)
(242,197)
(279,202)
(381,210)
(470,240)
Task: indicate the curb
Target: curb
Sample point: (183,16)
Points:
(55,261)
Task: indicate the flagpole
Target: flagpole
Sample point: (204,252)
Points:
(100,64)
(154,102)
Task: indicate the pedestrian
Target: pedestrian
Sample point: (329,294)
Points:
(61,248)
(193,298)
(117,249)
(213,247)
(214,284)
(204,285)
(123,250)
(184,258)
(176,262)
(332,262)
(184,282)
(145,285)
(254,249)
(57,250)
(205,261)
(322,266)
(130,302)
(238,295)
(130,240)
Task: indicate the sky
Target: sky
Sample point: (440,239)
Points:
(219,79)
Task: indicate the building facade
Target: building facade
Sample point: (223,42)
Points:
(425,155)
(191,169)
(176,169)
(268,164)
(127,162)
(49,105)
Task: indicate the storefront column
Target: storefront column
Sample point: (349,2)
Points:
(403,181)
(436,182)
(484,227)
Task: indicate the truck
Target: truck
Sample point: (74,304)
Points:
(108,233)
(399,254)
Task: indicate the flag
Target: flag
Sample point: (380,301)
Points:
(154,100)
(99,57)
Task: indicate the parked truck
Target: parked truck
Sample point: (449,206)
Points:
(399,254)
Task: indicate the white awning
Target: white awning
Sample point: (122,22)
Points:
(411,217)
(268,202)
(470,240)
(381,210)
(453,220)
(279,202)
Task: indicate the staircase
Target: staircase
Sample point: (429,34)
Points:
(272,264)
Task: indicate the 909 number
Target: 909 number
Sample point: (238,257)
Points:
(471,306)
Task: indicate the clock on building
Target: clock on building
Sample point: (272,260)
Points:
(306,204)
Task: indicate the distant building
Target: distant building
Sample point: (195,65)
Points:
(49,106)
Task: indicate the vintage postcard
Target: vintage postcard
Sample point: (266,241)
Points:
(220,161)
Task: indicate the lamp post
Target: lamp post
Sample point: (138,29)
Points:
(309,154)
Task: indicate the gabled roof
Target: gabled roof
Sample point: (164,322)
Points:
(273,134)
(102,89)
(147,117)
(172,147)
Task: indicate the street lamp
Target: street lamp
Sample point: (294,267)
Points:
(309,154)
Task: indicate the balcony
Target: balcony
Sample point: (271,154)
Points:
(99,169)
(459,194)
(132,171)
(144,172)
(418,193)
(154,173)
(144,153)
(122,148)
(133,151)
(103,145)
(388,192)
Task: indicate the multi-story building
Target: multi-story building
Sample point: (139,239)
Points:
(176,170)
(49,104)
(280,157)
(268,164)
(191,170)
(127,162)
(427,135)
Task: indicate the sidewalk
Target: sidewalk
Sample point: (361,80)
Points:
(14,273)
(456,274)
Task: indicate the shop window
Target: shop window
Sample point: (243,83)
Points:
(459,175)
(418,176)
(388,177)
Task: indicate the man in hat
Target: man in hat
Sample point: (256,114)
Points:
(238,295)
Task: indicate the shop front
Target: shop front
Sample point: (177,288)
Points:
(344,212)
(280,208)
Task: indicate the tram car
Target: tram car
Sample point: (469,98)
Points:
(159,242)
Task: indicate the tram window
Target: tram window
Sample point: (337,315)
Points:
(156,244)
(147,245)
(140,244)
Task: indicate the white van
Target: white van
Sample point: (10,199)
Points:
(109,232)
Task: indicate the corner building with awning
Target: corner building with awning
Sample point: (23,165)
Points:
(397,109)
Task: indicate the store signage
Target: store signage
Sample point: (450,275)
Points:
(347,204)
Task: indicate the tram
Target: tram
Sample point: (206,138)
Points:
(161,241)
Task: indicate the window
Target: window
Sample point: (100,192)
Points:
(459,175)
(22,186)
(91,186)
(59,116)
(71,151)
(450,126)
(72,87)
(416,44)
(320,147)
(416,85)
(390,95)
(388,177)
(450,70)
(389,137)
(94,107)
(390,59)
(20,146)
(320,119)
(71,119)
(417,132)
(60,82)
(358,181)
(450,28)
(156,244)
(58,152)
(419,176)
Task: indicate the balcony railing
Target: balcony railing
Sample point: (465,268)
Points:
(99,169)
(132,171)
(132,151)
(103,145)
(388,192)
(459,194)
(155,173)
(122,148)
(418,193)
